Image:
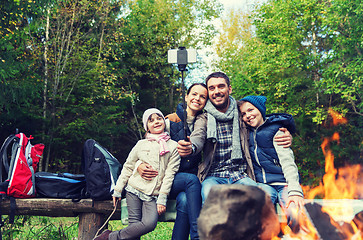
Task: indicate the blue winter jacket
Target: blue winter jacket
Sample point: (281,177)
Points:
(274,164)
(188,164)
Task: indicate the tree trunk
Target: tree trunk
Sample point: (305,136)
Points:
(45,90)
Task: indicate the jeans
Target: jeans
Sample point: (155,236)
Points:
(209,182)
(143,217)
(279,194)
(186,190)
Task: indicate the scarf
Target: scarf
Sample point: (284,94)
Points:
(161,139)
(214,115)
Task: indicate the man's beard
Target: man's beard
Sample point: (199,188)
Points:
(222,106)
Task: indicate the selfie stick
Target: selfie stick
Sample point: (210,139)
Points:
(182,61)
(182,57)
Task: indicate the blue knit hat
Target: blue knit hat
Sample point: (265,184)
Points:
(259,102)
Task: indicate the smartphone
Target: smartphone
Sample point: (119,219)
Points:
(182,55)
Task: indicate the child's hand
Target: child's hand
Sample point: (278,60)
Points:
(297,200)
(161,208)
(295,206)
(115,200)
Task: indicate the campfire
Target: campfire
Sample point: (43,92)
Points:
(333,210)
(339,214)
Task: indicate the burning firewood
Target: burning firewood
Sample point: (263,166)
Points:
(330,229)
(358,221)
(323,222)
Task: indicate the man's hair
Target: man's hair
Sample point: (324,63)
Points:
(218,75)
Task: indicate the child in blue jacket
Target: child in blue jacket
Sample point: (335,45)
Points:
(274,166)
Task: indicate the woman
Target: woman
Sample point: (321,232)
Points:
(186,188)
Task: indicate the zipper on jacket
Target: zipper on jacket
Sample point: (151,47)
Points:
(256,155)
(277,163)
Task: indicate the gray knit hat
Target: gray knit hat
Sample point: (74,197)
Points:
(148,113)
(259,102)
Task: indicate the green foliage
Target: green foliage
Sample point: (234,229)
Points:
(19,73)
(72,70)
(305,57)
(150,29)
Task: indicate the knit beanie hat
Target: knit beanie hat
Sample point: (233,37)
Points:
(259,102)
(148,113)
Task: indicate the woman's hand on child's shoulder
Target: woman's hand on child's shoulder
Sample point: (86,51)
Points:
(161,208)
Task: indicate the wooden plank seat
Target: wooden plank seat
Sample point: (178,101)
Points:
(91,218)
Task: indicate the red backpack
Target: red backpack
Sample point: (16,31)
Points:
(19,161)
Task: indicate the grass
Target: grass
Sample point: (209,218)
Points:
(162,231)
(35,227)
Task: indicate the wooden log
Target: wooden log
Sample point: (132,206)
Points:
(59,207)
(358,221)
(323,223)
(89,224)
(91,215)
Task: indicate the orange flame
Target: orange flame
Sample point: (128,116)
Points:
(336,184)
(337,117)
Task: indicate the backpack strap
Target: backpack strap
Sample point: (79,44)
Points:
(4,161)
(28,149)
(14,152)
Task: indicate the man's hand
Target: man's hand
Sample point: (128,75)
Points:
(184,148)
(161,209)
(284,140)
(146,171)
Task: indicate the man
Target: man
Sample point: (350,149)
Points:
(223,138)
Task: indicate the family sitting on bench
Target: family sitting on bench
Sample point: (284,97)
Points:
(241,145)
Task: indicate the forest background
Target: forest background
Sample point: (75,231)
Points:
(77,69)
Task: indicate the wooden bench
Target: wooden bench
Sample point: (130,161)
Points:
(91,218)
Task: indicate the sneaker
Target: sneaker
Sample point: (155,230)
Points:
(104,235)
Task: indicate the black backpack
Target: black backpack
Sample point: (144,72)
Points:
(101,170)
(60,185)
